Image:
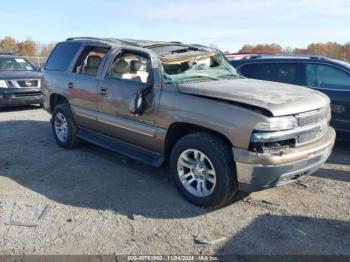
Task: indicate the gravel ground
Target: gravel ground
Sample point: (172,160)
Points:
(91,201)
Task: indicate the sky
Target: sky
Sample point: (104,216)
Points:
(223,23)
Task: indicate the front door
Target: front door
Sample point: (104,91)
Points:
(127,73)
(335,83)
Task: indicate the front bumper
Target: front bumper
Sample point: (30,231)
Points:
(257,171)
(20,96)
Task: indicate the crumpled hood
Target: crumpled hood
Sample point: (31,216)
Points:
(7,75)
(278,98)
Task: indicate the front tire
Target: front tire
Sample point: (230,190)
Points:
(64,127)
(203,169)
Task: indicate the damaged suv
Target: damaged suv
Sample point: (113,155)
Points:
(184,104)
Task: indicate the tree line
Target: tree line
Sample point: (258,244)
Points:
(334,50)
(27,47)
(331,49)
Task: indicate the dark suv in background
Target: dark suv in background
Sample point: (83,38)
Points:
(20,82)
(329,76)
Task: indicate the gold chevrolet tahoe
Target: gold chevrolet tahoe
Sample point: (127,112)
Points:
(185,105)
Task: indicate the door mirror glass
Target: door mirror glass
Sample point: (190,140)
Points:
(136,104)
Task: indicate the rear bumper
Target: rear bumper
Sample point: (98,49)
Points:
(279,170)
(20,96)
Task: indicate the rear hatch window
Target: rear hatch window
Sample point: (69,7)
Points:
(62,55)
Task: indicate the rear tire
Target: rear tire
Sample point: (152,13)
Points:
(203,169)
(64,127)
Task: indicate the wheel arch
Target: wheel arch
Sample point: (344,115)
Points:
(180,129)
(56,99)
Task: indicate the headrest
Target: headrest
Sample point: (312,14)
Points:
(135,65)
(171,68)
(93,61)
(121,67)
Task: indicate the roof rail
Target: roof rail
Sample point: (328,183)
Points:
(108,40)
(318,57)
(281,56)
(7,53)
(83,37)
(111,40)
(252,53)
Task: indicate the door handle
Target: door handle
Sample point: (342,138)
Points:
(103,91)
(70,85)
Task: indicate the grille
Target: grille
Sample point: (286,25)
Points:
(313,117)
(318,117)
(10,84)
(309,136)
(27,83)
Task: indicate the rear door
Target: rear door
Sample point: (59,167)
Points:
(334,82)
(83,84)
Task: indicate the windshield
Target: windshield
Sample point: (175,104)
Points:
(14,64)
(211,67)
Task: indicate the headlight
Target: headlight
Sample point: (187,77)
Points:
(277,124)
(3,84)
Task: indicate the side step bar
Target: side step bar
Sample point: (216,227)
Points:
(116,145)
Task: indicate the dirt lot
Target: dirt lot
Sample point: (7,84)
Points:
(91,201)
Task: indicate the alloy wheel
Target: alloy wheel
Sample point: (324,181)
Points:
(196,173)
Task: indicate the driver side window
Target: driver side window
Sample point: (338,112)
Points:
(325,76)
(133,67)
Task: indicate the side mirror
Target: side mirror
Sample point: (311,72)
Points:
(38,69)
(136,103)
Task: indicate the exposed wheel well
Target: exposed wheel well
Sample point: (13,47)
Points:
(179,130)
(56,99)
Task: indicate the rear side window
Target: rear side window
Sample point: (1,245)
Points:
(325,76)
(61,56)
(248,70)
(90,60)
(277,72)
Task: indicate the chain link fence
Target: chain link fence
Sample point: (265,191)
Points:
(38,61)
